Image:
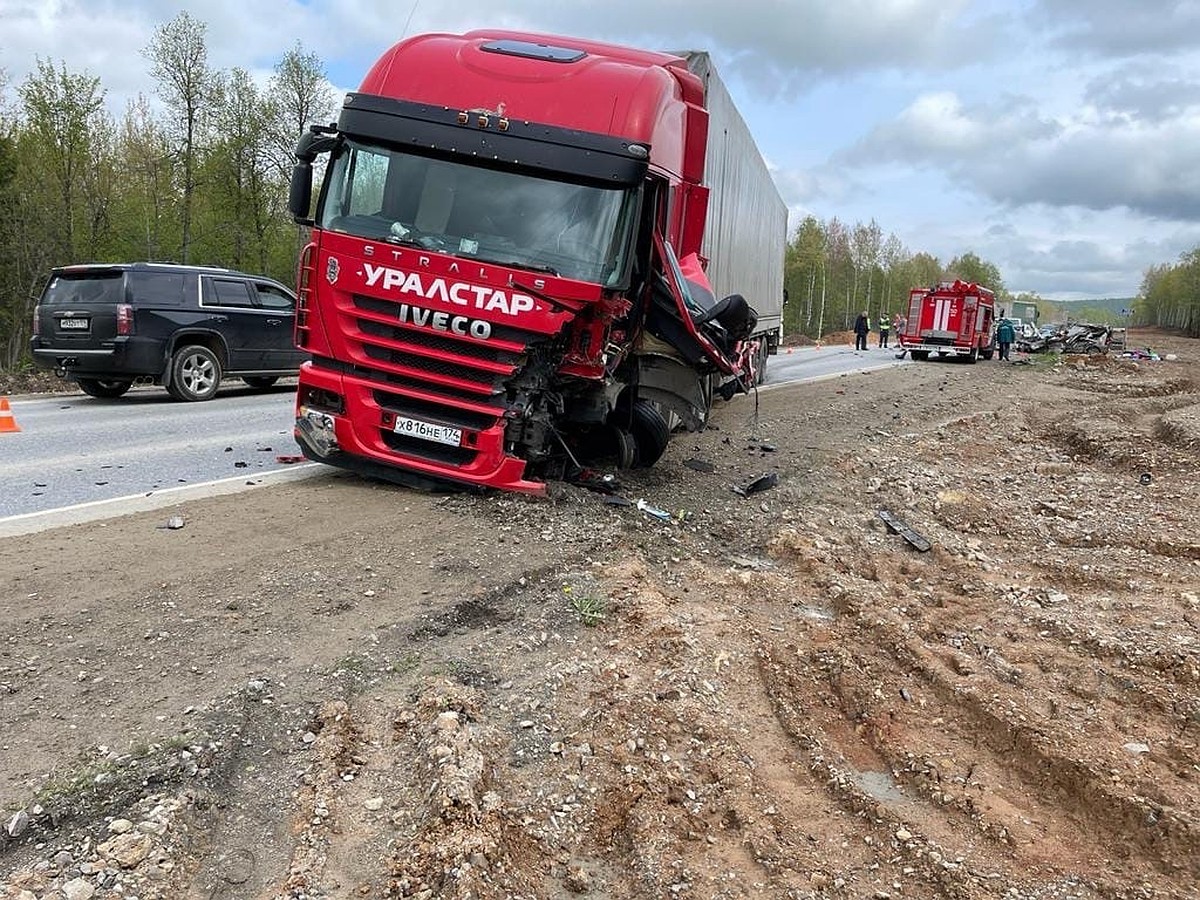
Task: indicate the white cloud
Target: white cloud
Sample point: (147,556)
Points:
(1057,138)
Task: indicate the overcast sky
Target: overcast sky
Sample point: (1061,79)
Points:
(1058,139)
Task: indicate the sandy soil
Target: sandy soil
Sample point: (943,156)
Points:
(337,689)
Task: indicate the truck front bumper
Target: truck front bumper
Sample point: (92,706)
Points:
(356,438)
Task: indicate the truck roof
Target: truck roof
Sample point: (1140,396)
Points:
(639,95)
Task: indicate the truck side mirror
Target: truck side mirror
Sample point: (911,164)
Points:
(300,193)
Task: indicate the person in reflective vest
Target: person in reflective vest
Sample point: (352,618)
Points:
(885,327)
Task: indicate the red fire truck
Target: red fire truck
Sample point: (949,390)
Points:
(950,319)
(529,253)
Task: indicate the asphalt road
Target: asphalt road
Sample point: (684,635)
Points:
(77,451)
(78,458)
(813,363)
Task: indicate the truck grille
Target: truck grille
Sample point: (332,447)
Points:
(441,453)
(432,411)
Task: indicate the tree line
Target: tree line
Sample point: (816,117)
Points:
(1170,295)
(834,271)
(201,179)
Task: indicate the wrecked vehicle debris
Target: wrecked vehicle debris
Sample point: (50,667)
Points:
(899,526)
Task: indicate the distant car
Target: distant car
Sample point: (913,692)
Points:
(107,327)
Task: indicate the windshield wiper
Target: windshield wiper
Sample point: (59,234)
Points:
(515,264)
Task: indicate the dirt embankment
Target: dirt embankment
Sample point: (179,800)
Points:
(335,689)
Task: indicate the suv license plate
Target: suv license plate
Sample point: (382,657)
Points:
(73,324)
(439,434)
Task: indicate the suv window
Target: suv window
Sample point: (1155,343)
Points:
(228,292)
(106,287)
(271,297)
(157,288)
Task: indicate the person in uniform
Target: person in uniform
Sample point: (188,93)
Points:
(862,327)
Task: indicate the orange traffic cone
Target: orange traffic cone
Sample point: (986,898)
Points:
(8,421)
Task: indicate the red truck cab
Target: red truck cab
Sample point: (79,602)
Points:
(492,293)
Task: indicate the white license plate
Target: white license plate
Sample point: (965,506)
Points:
(73,324)
(427,431)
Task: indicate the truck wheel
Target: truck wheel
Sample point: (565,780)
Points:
(987,353)
(626,448)
(195,374)
(650,432)
(104,388)
(920,355)
(973,356)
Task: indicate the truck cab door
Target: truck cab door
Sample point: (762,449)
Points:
(686,321)
(683,344)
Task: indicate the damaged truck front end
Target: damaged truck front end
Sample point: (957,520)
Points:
(483,324)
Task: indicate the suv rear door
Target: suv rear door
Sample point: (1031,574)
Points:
(78,309)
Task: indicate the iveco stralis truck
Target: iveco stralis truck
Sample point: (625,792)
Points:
(529,253)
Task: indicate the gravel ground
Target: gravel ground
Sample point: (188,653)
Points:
(337,689)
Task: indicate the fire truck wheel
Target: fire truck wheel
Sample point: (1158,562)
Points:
(973,356)
(987,353)
(650,433)
(920,355)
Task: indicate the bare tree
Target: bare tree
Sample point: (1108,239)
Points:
(299,95)
(64,114)
(179,63)
(146,199)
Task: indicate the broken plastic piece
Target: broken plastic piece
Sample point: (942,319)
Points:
(601,483)
(761,483)
(653,511)
(897,526)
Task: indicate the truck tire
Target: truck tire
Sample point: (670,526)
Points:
(104,388)
(920,355)
(651,434)
(973,356)
(987,352)
(195,374)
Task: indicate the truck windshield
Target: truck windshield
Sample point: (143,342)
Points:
(572,230)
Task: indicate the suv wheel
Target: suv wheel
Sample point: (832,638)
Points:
(260,382)
(195,373)
(104,388)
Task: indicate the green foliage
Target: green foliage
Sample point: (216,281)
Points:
(832,272)
(1170,295)
(204,180)
(588,607)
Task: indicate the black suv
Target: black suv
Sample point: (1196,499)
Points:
(184,327)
